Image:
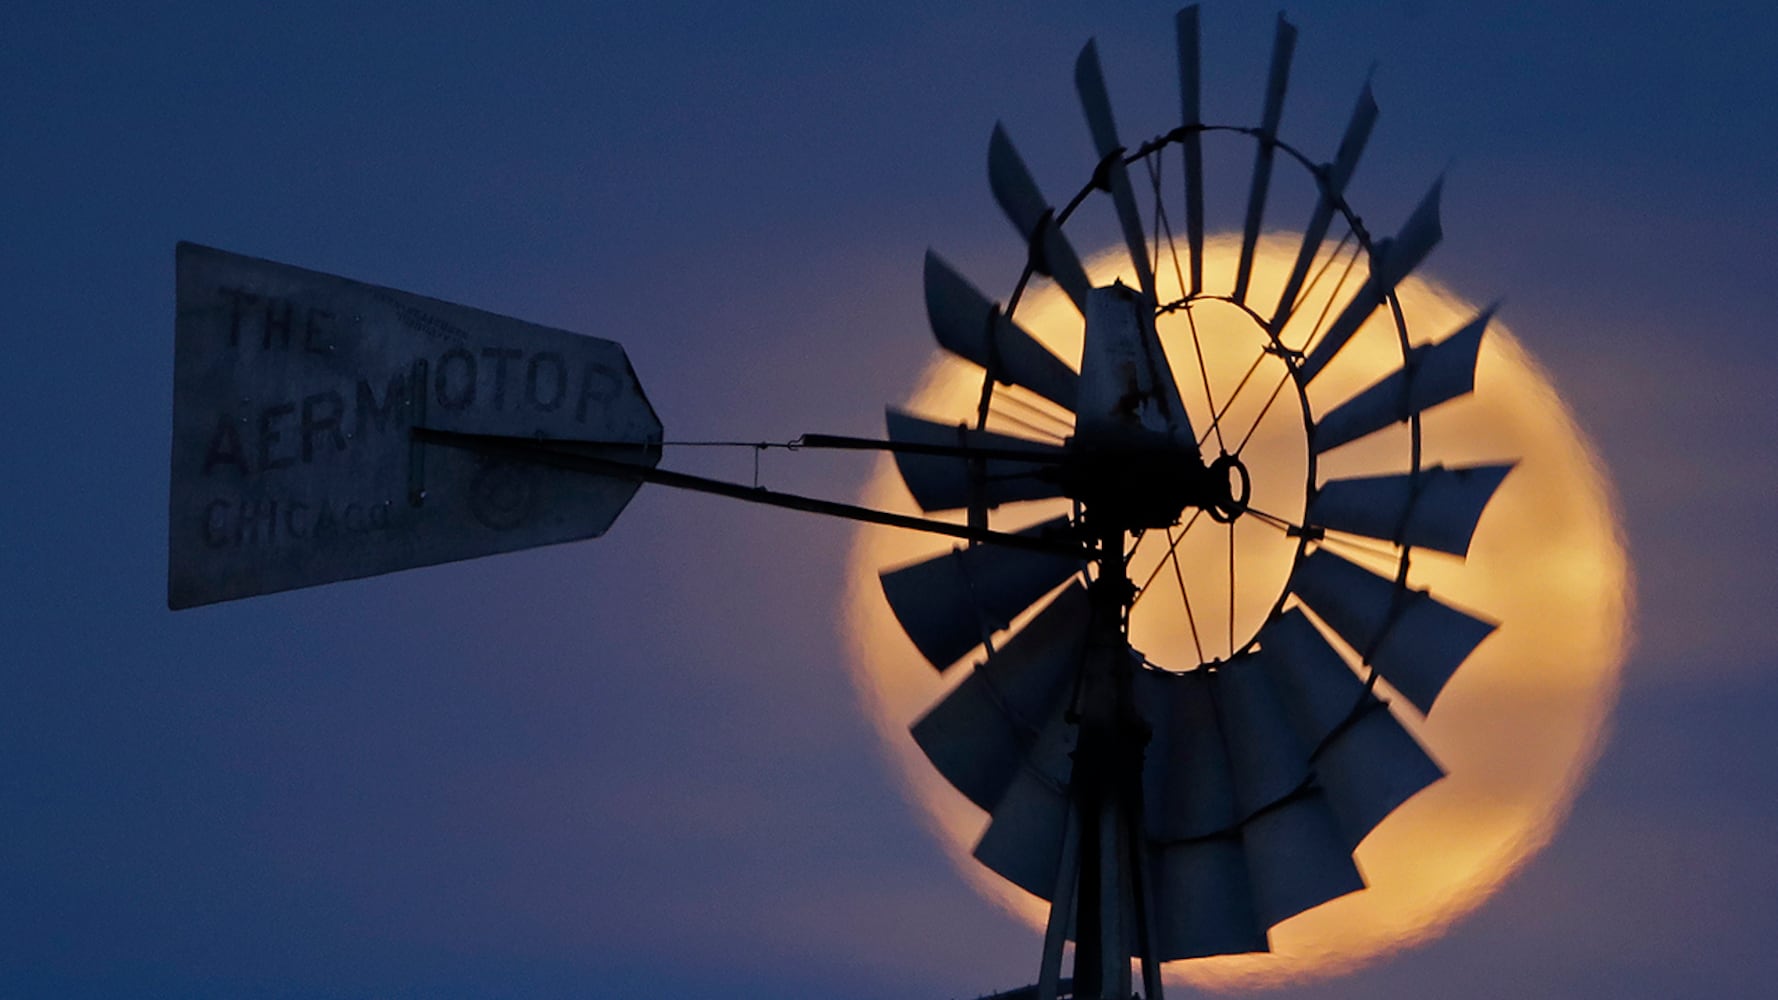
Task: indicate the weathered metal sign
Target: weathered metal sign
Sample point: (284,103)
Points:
(294,393)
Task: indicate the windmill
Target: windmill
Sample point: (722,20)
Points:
(327,429)
(1179,813)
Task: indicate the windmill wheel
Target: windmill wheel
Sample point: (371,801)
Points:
(1174,810)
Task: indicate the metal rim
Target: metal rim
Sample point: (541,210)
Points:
(1153,148)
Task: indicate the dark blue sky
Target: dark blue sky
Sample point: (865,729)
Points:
(637,766)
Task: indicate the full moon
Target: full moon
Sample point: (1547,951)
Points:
(1520,724)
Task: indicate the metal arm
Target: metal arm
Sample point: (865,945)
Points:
(586,458)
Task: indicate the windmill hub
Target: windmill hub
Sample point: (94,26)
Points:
(1228,488)
(1153,487)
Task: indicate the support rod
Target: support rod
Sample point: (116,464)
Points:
(571,457)
(1041,453)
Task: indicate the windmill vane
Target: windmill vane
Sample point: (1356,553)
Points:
(326,429)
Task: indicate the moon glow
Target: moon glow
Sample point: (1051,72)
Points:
(1519,725)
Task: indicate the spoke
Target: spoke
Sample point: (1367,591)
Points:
(1204,372)
(1292,529)
(1024,425)
(1172,247)
(1231,588)
(1316,330)
(1036,405)
(1174,547)
(1154,178)
(1316,278)
(1179,275)
(1232,397)
(1274,520)
(1185,598)
(1354,545)
(1273,398)
(1254,367)
(1030,416)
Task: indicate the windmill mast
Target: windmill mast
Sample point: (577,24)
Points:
(1107,799)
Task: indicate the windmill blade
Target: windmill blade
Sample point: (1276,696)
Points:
(1017,193)
(971,327)
(1089,80)
(1365,762)
(1433,374)
(1268,760)
(1392,262)
(1337,175)
(1023,841)
(1297,858)
(949,482)
(1296,855)
(951,603)
(1204,900)
(1226,747)
(1411,638)
(1283,45)
(1370,768)
(1319,692)
(1188,789)
(1190,115)
(1229,777)
(980,734)
(1436,508)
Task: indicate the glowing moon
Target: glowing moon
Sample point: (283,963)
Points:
(1518,727)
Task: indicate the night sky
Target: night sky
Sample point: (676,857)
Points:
(638,766)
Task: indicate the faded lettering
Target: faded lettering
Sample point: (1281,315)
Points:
(270,434)
(276,325)
(238,298)
(321,415)
(215,524)
(225,446)
(282,433)
(599,385)
(546,381)
(277,319)
(462,396)
(246,522)
(319,324)
(370,412)
(500,356)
